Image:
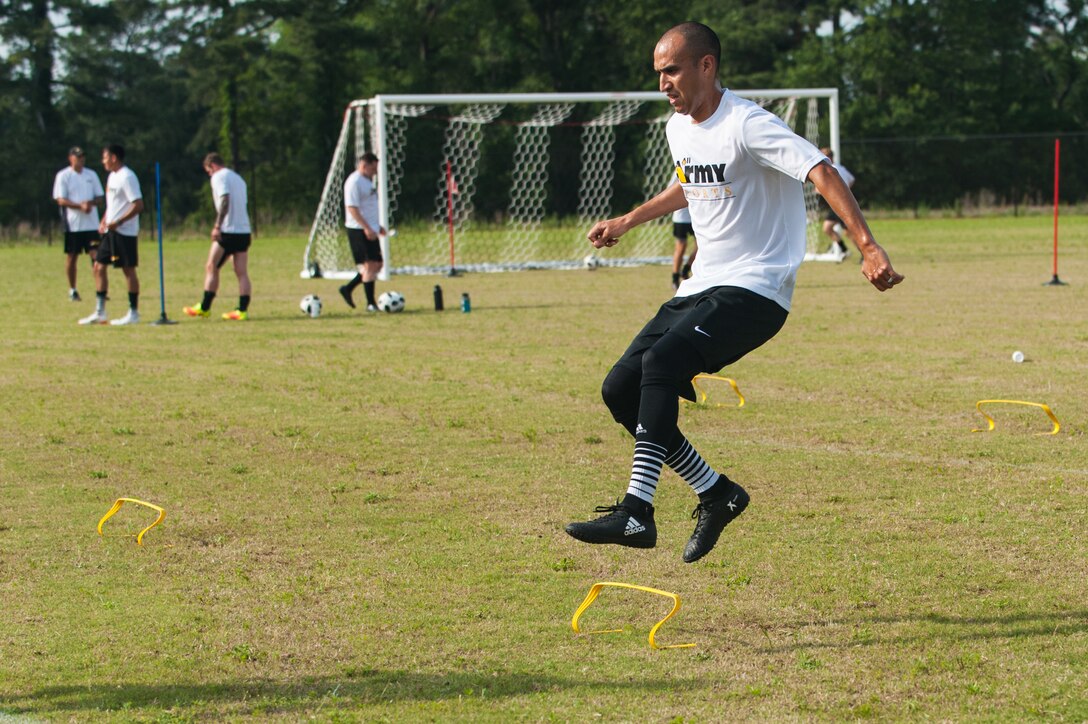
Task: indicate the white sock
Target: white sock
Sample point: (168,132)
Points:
(646,470)
(690,466)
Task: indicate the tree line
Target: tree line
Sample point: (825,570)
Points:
(941,100)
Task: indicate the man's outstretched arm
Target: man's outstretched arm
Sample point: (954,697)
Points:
(608,233)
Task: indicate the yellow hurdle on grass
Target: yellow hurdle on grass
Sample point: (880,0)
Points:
(596,591)
(117,506)
(990,420)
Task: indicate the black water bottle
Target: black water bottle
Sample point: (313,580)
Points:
(438,306)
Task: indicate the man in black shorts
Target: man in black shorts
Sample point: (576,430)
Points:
(740,170)
(364,228)
(231,236)
(832,225)
(78,193)
(120,228)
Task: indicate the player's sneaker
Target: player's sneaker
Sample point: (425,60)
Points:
(630,524)
(196,311)
(95,318)
(345,292)
(237,315)
(686,271)
(371,308)
(675,281)
(714,514)
(132,317)
(73,296)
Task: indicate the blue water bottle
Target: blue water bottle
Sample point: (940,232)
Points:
(466,303)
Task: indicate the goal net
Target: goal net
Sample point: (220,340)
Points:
(496,182)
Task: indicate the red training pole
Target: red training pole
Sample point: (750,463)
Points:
(1055,281)
(449,208)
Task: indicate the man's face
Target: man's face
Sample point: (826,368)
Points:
(680,77)
(109,161)
(368,168)
(209,169)
(76,162)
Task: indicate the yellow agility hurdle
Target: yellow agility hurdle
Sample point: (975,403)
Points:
(701,394)
(596,591)
(117,506)
(990,420)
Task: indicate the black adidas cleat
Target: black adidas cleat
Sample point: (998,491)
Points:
(628,524)
(714,514)
(346,294)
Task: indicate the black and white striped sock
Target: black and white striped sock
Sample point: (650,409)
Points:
(690,466)
(646,470)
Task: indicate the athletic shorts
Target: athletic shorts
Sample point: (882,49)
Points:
(828,213)
(681,230)
(232,244)
(362,248)
(722,323)
(118,250)
(80,242)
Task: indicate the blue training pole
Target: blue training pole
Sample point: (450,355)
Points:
(158,218)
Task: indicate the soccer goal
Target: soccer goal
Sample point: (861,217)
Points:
(497,182)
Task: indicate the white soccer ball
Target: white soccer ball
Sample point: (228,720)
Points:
(391,302)
(311,305)
(591,262)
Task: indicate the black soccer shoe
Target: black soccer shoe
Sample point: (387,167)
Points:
(628,524)
(714,514)
(345,292)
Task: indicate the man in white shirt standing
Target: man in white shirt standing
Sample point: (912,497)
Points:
(681,230)
(119,227)
(78,192)
(832,225)
(741,171)
(231,238)
(361,220)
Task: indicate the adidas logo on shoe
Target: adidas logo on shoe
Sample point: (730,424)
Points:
(633,526)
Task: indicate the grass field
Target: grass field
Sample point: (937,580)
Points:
(364,514)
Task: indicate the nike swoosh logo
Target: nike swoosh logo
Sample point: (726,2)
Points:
(700,331)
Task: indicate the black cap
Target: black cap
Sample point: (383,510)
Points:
(76,151)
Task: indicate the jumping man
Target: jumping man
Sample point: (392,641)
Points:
(740,170)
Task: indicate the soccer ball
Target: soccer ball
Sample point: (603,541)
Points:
(591,262)
(391,302)
(311,305)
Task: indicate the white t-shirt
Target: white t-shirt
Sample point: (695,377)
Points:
(847,177)
(77,188)
(681,216)
(360,192)
(742,170)
(226,182)
(122,191)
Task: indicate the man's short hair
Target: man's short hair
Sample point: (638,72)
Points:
(700,40)
(368,157)
(213,159)
(116,149)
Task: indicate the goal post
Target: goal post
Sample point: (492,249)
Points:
(510,181)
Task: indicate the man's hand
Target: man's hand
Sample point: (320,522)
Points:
(369,234)
(103,227)
(607,233)
(877,268)
(217,235)
(86,206)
